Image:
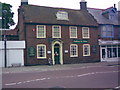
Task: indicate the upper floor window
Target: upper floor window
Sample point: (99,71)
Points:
(73,32)
(111,17)
(41,31)
(113,14)
(56,31)
(85,32)
(107,31)
(119,33)
(62,15)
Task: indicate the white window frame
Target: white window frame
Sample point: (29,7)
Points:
(62,15)
(53,34)
(43,30)
(76,50)
(84,49)
(83,32)
(38,57)
(73,32)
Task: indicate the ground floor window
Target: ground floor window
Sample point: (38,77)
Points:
(73,50)
(86,50)
(41,51)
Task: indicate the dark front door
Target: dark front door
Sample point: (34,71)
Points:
(103,54)
(57,54)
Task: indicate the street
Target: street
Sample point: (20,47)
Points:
(77,76)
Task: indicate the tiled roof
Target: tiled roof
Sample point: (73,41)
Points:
(119,17)
(47,15)
(97,13)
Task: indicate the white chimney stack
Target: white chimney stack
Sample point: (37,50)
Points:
(119,6)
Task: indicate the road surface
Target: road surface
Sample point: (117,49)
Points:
(98,76)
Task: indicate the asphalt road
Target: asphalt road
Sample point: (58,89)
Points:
(77,77)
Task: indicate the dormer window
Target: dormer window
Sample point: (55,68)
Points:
(62,15)
(110,13)
(111,17)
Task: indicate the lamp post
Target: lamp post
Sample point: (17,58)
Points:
(5,40)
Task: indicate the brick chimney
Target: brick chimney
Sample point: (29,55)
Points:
(83,5)
(24,2)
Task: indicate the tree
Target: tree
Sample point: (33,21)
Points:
(7,16)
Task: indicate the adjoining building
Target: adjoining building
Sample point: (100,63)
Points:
(109,32)
(63,35)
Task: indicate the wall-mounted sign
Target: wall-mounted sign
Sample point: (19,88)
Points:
(31,51)
(80,41)
(49,52)
(66,51)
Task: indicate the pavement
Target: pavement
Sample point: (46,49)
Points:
(55,67)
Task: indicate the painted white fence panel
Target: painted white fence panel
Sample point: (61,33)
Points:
(15,53)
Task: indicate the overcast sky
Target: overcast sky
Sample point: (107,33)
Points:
(73,4)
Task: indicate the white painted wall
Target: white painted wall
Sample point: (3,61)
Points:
(15,53)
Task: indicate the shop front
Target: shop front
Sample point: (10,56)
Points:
(109,50)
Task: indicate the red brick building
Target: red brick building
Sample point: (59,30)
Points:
(11,34)
(63,35)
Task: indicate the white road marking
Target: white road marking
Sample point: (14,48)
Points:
(10,84)
(81,75)
(84,74)
(26,81)
(19,83)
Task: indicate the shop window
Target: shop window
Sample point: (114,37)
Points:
(73,50)
(73,32)
(86,50)
(41,51)
(109,52)
(56,31)
(41,31)
(114,54)
(85,32)
(112,51)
